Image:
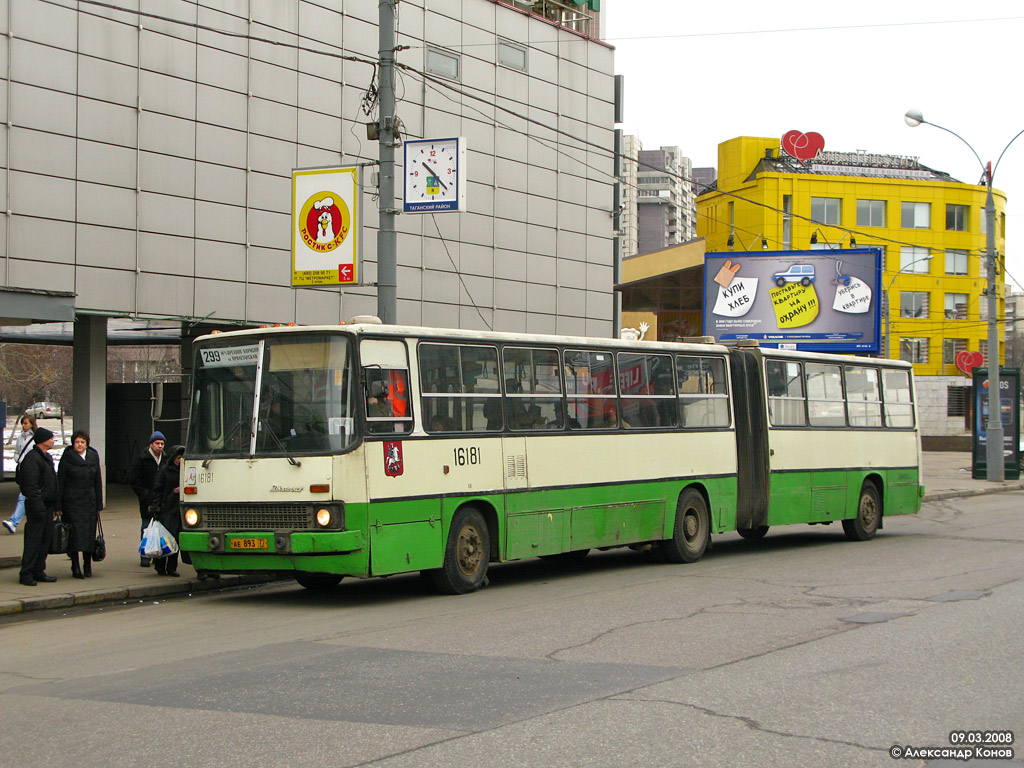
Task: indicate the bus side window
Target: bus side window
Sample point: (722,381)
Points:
(386,404)
(786,404)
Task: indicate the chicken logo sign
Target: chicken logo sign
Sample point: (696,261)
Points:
(325,223)
(324,215)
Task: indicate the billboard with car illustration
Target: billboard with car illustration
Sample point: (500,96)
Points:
(828,300)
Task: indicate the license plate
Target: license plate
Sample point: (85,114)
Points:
(248,544)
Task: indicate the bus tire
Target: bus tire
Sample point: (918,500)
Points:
(869,515)
(691,531)
(753,534)
(319,582)
(466,555)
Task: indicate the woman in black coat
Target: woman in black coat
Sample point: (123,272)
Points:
(165,496)
(79,499)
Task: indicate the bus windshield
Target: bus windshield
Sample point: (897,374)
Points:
(284,395)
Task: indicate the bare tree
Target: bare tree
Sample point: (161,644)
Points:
(31,372)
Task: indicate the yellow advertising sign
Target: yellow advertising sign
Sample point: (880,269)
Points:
(325,226)
(795,305)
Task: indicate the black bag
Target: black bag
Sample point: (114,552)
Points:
(99,547)
(61,537)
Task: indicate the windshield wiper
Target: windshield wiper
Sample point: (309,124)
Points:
(277,441)
(228,436)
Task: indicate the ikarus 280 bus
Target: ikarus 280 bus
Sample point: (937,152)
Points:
(367,450)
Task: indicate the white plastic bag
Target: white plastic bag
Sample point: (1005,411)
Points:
(157,541)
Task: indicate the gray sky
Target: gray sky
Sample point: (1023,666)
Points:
(847,71)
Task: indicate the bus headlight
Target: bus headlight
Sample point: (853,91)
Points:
(323,517)
(191,517)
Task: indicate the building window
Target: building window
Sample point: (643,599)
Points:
(956,218)
(984,223)
(443,63)
(914,258)
(825,210)
(956,262)
(511,55)
(871,213)
(914,350)
(915,215)
(957,399)
(913,303)
(951,348)
(956,306)
(787,222)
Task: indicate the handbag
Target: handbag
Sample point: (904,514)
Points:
(157,541)
(61,537)
(99,546)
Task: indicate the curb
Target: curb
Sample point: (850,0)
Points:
(114,594)
(941,495)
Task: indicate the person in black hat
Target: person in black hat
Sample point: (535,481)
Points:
(38,482)
(142,476)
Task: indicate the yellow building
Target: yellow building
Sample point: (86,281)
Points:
(930,227)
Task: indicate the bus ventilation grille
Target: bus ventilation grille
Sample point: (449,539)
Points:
(516,466)
(258,517)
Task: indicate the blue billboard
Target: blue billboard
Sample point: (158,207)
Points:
(828,300)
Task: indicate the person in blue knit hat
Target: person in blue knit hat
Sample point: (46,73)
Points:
(141,477)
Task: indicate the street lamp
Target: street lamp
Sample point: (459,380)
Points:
(994,444)
(885,294)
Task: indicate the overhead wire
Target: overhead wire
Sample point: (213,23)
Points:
(580,143)
(464,91)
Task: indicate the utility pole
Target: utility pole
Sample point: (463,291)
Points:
(387,240)
(994,429)
(995,463)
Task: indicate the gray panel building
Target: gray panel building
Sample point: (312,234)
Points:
(147,162)
(148,151)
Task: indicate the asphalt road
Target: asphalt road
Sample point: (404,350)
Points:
(800,650)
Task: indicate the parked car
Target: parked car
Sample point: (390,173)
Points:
(44,410)
(797,273)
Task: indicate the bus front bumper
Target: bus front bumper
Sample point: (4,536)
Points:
(341,552)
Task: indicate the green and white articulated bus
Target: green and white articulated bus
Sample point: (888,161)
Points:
(367,450)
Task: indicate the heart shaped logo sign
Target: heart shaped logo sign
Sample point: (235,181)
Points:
(966,361)
(803,146)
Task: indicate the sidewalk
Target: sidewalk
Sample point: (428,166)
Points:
(119,576)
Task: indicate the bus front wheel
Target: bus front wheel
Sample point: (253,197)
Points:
(466,554)
(869,515)
(692,529)
(318,581)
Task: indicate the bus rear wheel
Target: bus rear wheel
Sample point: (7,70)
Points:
(466,555)
(753,534)
(319,582)
(869,515)
(692,529)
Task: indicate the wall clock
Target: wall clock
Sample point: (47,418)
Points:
(435,175)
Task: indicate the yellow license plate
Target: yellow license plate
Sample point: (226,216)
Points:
(248,544)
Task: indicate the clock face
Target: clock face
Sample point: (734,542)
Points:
(432,169)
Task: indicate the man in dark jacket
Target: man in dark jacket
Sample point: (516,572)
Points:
(141,477)
(38,482)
